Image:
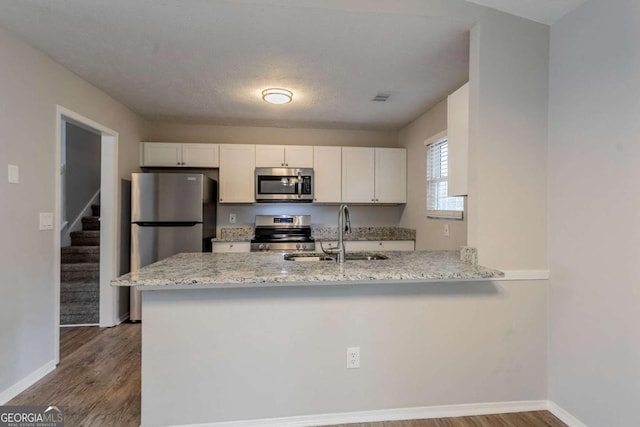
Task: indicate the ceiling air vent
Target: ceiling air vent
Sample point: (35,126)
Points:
(381,97)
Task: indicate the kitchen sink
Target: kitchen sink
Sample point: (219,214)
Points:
(364,257)
(324,257)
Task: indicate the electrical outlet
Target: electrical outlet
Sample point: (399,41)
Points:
(232,218)
(446,230)
(353,357)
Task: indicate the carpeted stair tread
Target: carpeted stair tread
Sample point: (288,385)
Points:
(91,223)
(85,238)
(80,266)
(77,254)
(75,313)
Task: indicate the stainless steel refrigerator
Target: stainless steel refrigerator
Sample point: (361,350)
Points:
(170,213)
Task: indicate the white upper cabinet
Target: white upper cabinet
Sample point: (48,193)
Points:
(161,154)
(299,156)
(172,154)
(374,175)
(391,175)
(201,155)
(327,174)
(358,174)
(237,173)
(458,141)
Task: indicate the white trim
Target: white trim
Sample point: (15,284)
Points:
(445,214)
(525,275)
(79,325)
(109,224)
(436,138)
(426,412)
(26,382)
(122,318)
(564,416)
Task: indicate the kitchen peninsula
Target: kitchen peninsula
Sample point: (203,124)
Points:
(253,336)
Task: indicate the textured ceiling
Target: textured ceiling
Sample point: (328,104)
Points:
(544,11)
(207,61)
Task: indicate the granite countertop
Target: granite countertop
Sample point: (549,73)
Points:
(268,269)
(321,233)
(365,233)
(242,233)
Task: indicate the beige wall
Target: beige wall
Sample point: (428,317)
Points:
(429,232)
(594,311)
(31,85)
(507,203)
(424,344)
(186,132)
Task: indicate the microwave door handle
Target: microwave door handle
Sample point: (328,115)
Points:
(299,184)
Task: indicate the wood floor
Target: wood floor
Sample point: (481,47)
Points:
(98,383)
(97,380)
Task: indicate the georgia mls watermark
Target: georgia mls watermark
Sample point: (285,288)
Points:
(31,416)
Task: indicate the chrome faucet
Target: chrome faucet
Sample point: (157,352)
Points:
(344,226)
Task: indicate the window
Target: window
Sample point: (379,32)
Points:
(439,205)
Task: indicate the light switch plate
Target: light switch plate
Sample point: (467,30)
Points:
(13,174)
(46,220)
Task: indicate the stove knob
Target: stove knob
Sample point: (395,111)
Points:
(261,246)
(298,246)
(266,247)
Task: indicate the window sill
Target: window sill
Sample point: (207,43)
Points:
(458,215)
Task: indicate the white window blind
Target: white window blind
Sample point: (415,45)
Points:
(439,205)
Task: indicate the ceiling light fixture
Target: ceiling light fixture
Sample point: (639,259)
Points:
(277,96)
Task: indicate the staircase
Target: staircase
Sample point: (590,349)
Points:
(80,274)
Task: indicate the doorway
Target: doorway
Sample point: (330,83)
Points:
(108,224)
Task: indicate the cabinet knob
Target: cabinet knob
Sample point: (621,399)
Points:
(373,200)
(231,245)
(178,163)
(286,164)
(380,243)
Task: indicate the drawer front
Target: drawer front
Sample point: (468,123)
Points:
(221,247)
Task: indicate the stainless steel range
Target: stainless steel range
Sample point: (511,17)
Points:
(283,233)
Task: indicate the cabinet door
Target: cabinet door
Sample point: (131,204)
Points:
(358,167)
(298,156)
(327,173)
(237,173)
(161,154)
(458,137)
(200,155)
(391,175)
(224,247)
(269,156)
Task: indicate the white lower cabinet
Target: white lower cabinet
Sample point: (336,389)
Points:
(372,245)
(221,247)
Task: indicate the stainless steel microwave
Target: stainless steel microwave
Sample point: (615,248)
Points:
(284,185)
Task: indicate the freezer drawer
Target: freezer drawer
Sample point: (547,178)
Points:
(166,197)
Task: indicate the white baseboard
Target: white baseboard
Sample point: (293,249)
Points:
(78,325)
(525,275)
(122,318)
(427,412)
(26,382)
(564,416)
